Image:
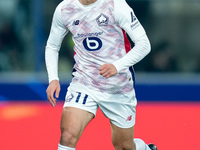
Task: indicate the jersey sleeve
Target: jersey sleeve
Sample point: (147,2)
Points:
(56,36)
(125,17)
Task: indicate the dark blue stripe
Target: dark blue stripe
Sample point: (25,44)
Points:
(73,70)
(78,97)
(153,91)
(131,69)
(85,99)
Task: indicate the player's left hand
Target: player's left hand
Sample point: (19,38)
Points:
(108,70)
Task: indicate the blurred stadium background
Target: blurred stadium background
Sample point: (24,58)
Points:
(167,80)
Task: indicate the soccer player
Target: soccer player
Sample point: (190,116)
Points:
(103,75)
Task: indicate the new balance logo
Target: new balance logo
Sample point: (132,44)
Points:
(129,118)
(76,22)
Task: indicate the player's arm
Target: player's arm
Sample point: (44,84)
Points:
(57,33)
(127,20)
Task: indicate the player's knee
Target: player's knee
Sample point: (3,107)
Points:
(68,137)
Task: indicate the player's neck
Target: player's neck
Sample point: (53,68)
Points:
(87,2)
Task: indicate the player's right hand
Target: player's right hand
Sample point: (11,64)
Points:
(54,87)
(108,70)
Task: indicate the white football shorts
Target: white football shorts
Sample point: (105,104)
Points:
(119,108)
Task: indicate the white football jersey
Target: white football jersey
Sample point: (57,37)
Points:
(98,31)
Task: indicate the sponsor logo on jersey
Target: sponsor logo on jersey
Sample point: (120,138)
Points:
(135,25)
(133,18)
(92,43)
(134,22)
(102,20)
(89,34)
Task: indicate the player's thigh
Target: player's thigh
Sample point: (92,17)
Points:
(122,137)
(74,120)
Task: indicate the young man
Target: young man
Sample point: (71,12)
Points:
(103,75)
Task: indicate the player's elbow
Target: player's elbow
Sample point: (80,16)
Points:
(144,44)
(148,46)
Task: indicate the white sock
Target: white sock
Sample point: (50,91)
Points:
(61,147)
(140,145)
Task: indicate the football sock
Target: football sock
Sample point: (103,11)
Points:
(140,145)
(61,147)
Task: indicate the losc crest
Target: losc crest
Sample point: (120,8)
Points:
(69,97)
(102,20)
